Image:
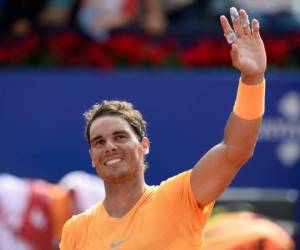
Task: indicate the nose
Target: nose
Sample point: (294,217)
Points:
(110,147)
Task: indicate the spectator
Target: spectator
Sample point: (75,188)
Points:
(245,231)
(87,189)
(32,213)
(57,13)
(274,15)
(20,16)
(97,17)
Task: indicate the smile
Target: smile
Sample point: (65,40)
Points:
(112,162)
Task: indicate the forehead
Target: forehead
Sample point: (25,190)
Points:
(107,125)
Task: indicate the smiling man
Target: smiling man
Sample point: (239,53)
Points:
(171,216)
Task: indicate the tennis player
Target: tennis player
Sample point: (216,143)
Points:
(171,216)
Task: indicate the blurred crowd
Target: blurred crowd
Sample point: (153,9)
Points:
(95,18)
(33,212)
(168,32)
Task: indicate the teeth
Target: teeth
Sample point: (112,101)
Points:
(111,162)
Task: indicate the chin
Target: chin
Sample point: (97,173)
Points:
(120,176)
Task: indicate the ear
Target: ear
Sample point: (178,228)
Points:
(146,145)
(93,164)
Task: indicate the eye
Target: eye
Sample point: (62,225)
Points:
(120,137)
(98,143)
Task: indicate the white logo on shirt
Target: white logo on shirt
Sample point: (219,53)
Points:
(118,243)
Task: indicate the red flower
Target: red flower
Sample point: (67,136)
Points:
(278,50)
(17,55)
(186,58)
(96,56)
(222,53)
(128,49)
(157,55)
(203,53)
(70,49)
(170,45)
(31,43)
(3,55)
(18,50)
(64,42)
(295,40)
(138,56)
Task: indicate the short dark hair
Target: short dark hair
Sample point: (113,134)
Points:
(122,109)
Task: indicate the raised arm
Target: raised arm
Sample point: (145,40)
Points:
(215,170)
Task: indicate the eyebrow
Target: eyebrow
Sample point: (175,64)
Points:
(114,133)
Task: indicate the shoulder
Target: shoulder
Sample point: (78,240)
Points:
(84,218)
(72,233)
(177,182)
(176,192)
(171,189)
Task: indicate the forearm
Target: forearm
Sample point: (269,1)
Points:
(240,137)
(242,130)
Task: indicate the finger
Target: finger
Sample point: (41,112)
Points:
(245,22)
(255,28)
(228,31)
(225,24)
(235,18)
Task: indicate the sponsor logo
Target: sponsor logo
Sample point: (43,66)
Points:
(284,130)
(118,243)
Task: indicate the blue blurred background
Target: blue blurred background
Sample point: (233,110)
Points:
(42,123)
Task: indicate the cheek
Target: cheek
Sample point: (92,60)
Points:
(139,154)
(95,156)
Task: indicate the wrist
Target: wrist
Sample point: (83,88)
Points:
(252,79)
(250,100)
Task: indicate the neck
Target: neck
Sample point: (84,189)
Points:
(121,197)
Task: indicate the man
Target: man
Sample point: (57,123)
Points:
(134,216)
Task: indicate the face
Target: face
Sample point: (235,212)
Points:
(116,152)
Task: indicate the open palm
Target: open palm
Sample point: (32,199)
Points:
(248,52)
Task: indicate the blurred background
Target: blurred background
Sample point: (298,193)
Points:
(168,57)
